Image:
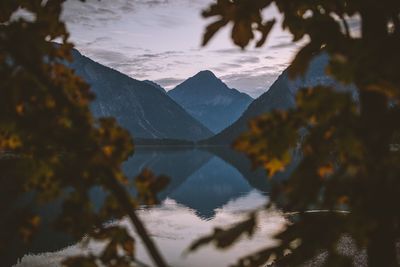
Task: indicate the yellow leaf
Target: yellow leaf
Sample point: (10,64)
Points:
(313,120)
(50,103)
(35,221)
(343,200)
(20,109)
(274,166)
(328,134)
(14,142)
(325,170)
(108,150)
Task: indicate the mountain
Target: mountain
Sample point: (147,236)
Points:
(281,95)
(210,101)
(211,187)
(156,85)
(138,106)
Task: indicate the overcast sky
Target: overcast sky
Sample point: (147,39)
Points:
(160,40)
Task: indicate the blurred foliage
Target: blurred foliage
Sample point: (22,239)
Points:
(347,146)
(148,186)
(52,150)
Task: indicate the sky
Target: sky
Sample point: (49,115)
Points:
(160,40)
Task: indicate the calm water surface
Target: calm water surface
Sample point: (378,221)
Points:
(208,188)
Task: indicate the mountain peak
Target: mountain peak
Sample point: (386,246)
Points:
(206,74)
(204,80)
(210,100)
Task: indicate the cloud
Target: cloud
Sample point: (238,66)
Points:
(159,40)
(269,57)
(226,66)
(167,21)
(283,45)
(169,83)
(137,65)
(236,51)
(227,51)
(252,83)
(104,55)
(245,60)
(275,68)
(91,12)
(98,40)
(94,13)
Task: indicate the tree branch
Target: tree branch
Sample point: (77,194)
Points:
(346,26)
(125,201)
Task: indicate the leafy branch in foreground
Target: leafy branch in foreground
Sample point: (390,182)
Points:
(52,149)
(345,144)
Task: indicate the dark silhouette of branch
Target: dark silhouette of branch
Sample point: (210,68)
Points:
(125,201)
(346,26)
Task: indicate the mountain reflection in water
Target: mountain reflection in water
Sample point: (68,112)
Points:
(200,180)
(207,189)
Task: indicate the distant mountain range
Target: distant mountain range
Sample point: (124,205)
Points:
(195,109)
(281,95)
(140,107)
(210,101)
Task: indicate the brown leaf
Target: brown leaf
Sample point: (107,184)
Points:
(212,29)
(265,29)
(242,33)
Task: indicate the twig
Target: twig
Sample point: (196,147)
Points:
(124,199)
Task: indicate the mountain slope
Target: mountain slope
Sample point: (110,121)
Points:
(138,106)
(210,101)
(281,95)
(156,85)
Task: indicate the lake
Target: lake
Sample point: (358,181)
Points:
(208,188)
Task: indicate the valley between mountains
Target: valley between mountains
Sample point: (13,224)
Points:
(201,110)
